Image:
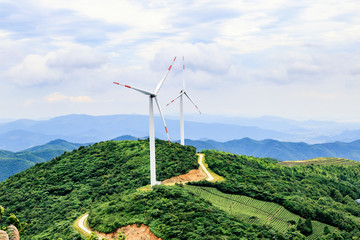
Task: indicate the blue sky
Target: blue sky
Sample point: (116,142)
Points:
(293,59)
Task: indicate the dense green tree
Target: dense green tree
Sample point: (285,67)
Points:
(305,227)
(326,230)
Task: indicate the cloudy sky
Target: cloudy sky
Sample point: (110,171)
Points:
(293,59)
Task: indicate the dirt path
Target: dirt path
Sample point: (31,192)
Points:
(142,232)
(201,157)
(81,224)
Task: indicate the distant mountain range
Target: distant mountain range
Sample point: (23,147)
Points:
(13,162)
(22,134)
(282,151)
(274,137)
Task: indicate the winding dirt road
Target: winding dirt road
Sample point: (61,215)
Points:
(81,224)
(201,156)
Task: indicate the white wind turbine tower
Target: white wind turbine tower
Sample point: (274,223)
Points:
(152,96)
(183,92)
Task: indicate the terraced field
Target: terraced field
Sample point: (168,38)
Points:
(322,161)
(255,211)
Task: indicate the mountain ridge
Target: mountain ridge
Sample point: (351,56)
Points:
(86,128)
(14,162)
(282,151)
(24,133)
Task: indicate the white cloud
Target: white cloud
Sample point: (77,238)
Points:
(34,71)
(75,57)
(198,57)
(259,52)
(55,66)
(58,97)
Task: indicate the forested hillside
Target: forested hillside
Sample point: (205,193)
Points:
(104,179)
(323,193)
(50,196)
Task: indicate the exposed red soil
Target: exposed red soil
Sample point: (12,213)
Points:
(132,232)
(192,176)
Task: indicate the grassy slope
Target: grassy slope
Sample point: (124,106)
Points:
(322,161)
(255,211)
(51,195)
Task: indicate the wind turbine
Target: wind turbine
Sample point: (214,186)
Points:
(183,92)
(152,96)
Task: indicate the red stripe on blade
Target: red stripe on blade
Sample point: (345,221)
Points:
(166,130)
(116,83)
(127,86)
(169,142)
(169,67)
(174,58)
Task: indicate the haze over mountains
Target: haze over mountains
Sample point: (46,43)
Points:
(14,162)
(21,134)
(282,151)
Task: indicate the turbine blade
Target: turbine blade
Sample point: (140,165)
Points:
(136,89)
(181,93)
(183,74)
(192,102)
(163,119)
(163,79)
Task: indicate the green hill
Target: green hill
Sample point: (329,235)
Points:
(50,196)
(14,162)
(104,179)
